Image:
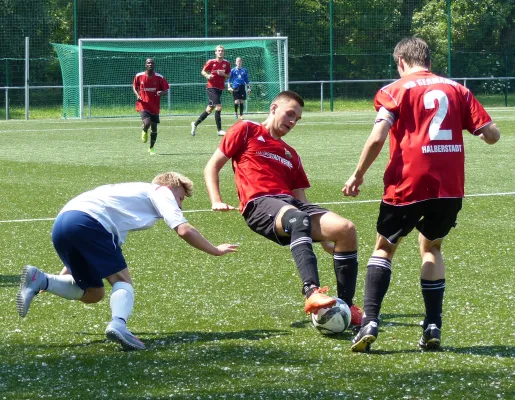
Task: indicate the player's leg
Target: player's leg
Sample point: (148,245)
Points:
(290,221)
(122,303)
(210,105)
(439,218)
(236,103)
(242,97)
(393,223)
(153,133)
(329,226)
(217,100)
(145,121)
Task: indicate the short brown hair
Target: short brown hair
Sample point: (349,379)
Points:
(290,95)
(174,179)
(414,51)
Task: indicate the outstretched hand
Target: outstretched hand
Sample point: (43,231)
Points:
(351,187)
(227,248)
(221,207)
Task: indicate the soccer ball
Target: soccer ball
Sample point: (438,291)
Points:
(331,321)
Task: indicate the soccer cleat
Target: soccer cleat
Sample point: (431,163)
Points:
(144,136)
(118,332)
(193,129)
(318,300)
(151,151)
(356,315)
(241,117)
(32,280)
(366,336)
(430,339)
(221,133)
(235,116)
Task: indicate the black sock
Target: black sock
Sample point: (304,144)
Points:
(241,108)
(153,138)
(235,108)
(346,270)
(202,117)
(298,225)
(218,120)
(379,271)
(432,292)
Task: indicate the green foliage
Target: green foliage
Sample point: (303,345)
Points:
(233,327)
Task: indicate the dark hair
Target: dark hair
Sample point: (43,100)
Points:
(414,51)
(291,95)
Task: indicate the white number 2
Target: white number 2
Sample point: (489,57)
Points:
(435,133)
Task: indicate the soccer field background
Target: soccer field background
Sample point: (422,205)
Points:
(233,327)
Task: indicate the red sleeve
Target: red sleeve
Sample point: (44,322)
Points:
(475,116)
(228,68)
(164,84)
(135,82)
(207,66)
(385,98)
(235,139)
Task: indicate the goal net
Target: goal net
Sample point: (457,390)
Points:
(98,73)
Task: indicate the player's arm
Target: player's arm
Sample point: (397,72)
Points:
(490,133)
(195,239)
(371,150)
(246,77)
(162,92)
(205,73)
(135,89)
(212,179)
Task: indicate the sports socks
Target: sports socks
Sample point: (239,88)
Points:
(122,300)
(236,108)
(298,225)
(241,108)
(153,138)
(63,286)
(379,272)
(218,120)
(202,117)
(346,270)
(432,292)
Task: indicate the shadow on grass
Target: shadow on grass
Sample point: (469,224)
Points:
(492,351)
(390,319)
(9,280)
(183,154)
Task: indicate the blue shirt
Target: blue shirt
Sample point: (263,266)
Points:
(238,77)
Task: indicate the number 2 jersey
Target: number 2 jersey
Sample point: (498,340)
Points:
(429,114)
(263,166)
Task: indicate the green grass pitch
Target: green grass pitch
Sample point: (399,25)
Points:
(234,327)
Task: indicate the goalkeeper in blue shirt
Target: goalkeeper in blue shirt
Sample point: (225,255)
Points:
(238,78)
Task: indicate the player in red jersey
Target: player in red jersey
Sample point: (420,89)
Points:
(216,71)
(424,180)
(271,185)
(149,86)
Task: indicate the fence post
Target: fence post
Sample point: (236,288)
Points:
(27,78)
(321,96)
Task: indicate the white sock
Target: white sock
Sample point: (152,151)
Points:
(64,286)
(122,300)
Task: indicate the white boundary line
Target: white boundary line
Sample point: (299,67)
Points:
(325,203)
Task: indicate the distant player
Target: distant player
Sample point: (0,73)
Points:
(88,234)
(149,86)
(425,115)
(216,71)
(271,184)
(238,79)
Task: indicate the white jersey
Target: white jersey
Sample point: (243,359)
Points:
(125,207)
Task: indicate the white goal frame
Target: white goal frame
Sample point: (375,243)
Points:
(279,39)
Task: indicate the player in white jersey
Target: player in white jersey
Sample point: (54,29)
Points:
(88,234)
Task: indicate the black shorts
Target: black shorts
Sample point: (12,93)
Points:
(146,115)
(260,215)
(239,93)
(214,96)
(433,218)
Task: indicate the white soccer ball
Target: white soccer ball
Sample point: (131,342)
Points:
(331,321)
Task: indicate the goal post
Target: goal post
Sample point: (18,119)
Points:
(98,73)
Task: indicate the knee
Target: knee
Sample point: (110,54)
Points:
(93,295)
(146,124)
(294,220)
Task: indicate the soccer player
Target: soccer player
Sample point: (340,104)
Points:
(425,116)
(149,86)
(88,234)
(238,78)
(215,71)
(271,184)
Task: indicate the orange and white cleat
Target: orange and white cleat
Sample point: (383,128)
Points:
(318,300)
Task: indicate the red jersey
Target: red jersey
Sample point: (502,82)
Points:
(217,81)
(427,159)
(147,87)
(263,166)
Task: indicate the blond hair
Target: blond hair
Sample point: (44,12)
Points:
(174,179)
